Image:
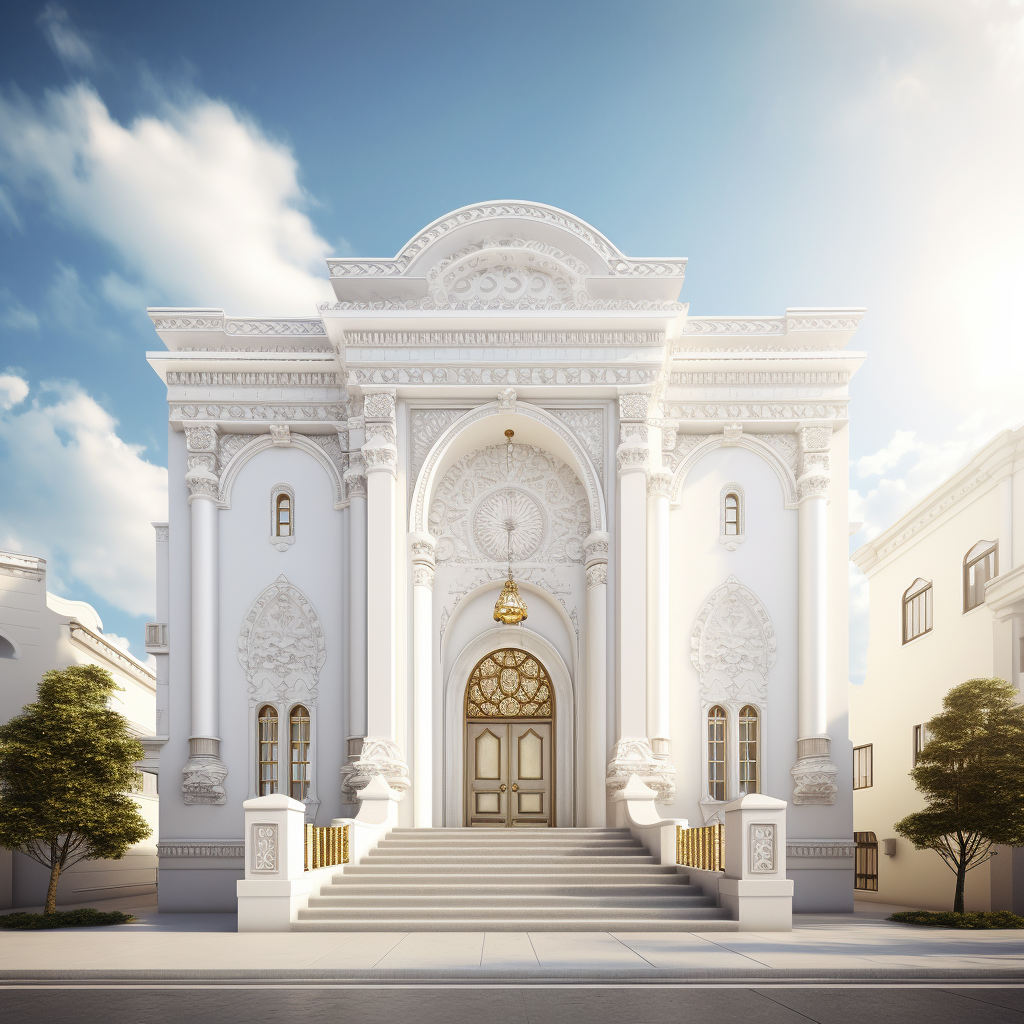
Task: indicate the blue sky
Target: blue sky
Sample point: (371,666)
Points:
(843,153)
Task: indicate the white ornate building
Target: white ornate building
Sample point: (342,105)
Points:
(340,504)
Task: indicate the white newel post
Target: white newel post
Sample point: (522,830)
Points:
(422,551)
(755,889)
(204,772)
(632,754)
(658,732)
(596,549)
(381,754)
(813,774)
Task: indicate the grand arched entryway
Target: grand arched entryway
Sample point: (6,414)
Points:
(509,751)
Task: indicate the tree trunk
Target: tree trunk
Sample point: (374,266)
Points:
(961,876)
(51,892)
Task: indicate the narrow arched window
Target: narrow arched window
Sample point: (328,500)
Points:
(267,741)
(917,610)
(716,753)
(283,516)
(748,750)
(732,514)
(981,564)
(298,726)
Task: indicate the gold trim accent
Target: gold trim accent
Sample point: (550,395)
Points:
(325,846)
(701,848)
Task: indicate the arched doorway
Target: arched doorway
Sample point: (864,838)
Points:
(509,755)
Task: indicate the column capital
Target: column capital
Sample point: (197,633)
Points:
(381,458)
(659,484)
(421,549)
(596,547)
(597,575)
(202,438)
(355,476)
(814,485)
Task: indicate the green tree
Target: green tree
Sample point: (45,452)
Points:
(972,773)
(67,763)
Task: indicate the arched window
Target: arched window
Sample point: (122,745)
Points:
(731,516)
(267,740)
(283,516)
(716,753)
(917,610)
(298,725)
(748,750)
(981,564)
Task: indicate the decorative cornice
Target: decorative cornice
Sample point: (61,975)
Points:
(217,321)
(755,411)
(430,304)
(503,339)
(101,645)
(737,378)
(26,567)
(277,411)
(831,848)
(253,380)
(201,848)
(501,375)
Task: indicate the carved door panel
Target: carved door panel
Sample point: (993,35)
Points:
(531,785)
(487,789)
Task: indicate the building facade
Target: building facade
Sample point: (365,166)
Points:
(947,604)
(40,631)
(509,396)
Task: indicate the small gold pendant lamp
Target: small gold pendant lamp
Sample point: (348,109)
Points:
(510,608)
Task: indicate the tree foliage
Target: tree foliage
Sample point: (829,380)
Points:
(67,764)
(972,773)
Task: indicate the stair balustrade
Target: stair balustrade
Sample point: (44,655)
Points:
(701,848)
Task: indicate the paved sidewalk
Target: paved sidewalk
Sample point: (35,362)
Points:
(858,947)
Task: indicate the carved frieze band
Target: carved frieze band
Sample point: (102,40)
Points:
(201,848)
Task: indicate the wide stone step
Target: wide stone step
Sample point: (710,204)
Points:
(538,913)
(512,858)
(442,886)
(519,924)
(522,844)
(354,901)
(430,832)
(522,870)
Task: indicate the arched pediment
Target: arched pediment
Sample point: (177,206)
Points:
(507,255)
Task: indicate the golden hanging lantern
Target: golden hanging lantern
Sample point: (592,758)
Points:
(510,608)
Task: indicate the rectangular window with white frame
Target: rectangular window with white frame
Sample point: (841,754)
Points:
(863,767)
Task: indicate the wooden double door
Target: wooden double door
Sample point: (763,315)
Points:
(509,774)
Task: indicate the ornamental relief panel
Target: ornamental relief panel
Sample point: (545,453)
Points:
(542,498)
(425,427)
(733,646)
(588,426)
(281,645)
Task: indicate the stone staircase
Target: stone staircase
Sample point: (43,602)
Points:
(460,879)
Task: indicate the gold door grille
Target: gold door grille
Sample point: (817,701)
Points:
(509,684)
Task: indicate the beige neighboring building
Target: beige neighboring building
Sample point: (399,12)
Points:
(947,604)
(38,632)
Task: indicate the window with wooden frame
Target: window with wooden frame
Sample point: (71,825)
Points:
(981,564)
(282,516)
(267,742)
(298,757)
(865,872)
(917,610)
(731,516)
(863,767)
(748,775)
(716,753)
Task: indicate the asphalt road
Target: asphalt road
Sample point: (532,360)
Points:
(563,1004)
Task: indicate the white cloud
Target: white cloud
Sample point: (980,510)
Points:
(122,294)
(120,642)
(65,39)
(74,488)
(201,205)
(12,391)
(15,316)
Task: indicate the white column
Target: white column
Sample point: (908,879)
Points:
(658,729)
(381,753)
(205,772)
(160,647)
(355,483)
(632,754)
(813,774)
(596,548)
(422,551)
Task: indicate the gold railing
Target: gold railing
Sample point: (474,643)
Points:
(701,848)
(325,846)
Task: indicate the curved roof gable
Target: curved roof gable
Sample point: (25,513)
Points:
(509,251)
